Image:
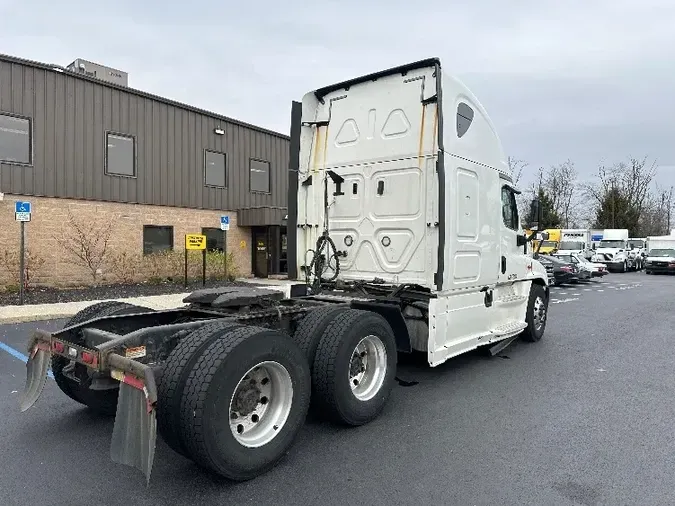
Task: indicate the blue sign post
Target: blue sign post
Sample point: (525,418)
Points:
(225,226)
(224,223)
(22,212)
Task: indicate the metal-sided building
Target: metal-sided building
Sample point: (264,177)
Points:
(77,141)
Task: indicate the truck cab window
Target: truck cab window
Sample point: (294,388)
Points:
(509,208)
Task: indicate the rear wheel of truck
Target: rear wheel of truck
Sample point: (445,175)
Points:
(312,327)
(101,401)
(177,368)
(244,402)
(537,312)
(354,368)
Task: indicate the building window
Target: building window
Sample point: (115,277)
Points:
(215,169)
(120,155)
(215,239)
(15,139)
(259,176)
(157,238)
(464,118)
(509,208)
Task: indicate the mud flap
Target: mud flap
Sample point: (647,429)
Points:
(135,432)
(36,375)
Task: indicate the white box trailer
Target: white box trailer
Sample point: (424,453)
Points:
(661,255)
(575,241)
(407,236)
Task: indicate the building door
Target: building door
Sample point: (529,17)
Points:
(283,258)
(261,253)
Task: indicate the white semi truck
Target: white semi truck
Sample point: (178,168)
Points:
(404,228)
(614,251)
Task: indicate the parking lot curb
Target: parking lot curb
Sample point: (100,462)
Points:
(42,312)
(35,318)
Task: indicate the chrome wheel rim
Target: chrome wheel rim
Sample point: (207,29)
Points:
(367,367)
(260,404)
(539,313)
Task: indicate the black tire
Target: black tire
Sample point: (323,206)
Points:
(204,422)
(100,401)
(534,332)
(177,367)
(625,266)
(331,390)
(312,327)
(648,271)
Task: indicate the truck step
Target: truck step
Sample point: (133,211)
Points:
(512,299)
(508,328)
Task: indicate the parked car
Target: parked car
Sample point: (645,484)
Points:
(563,272)
(590,269)
(584,272)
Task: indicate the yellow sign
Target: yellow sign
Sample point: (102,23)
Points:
(195,241)
(242,244)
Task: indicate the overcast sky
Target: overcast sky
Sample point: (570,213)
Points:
(593,81)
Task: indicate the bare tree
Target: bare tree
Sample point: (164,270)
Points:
(560,183)
(516,166)
(656,213)
(628,184)
(87,243)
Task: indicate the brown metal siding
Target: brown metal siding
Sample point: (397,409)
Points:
(261,216)
(70,117)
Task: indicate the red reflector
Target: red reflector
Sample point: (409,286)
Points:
(87,357)
(58,347)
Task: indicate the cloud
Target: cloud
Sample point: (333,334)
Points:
(589,81)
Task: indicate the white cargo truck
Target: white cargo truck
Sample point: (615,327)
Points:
(575,241)
(614,251)
(661,255)
(403,225)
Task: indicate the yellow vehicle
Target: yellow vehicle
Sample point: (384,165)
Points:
(551,245)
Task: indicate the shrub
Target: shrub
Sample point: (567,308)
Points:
(11,262)
(125,266)
(220,266)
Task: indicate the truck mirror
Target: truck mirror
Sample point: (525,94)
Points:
(535,213)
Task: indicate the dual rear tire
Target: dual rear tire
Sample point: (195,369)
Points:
(233,398)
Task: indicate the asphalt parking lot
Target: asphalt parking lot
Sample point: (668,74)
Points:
(583,417)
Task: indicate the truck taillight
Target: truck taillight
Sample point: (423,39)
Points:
(58,347)
(87,358)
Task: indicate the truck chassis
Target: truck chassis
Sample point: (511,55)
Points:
(162,370)
(246,358)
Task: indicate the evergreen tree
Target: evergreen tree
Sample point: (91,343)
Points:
(550,218)
(616,210)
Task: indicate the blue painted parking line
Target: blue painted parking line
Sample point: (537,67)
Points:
(20,356)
